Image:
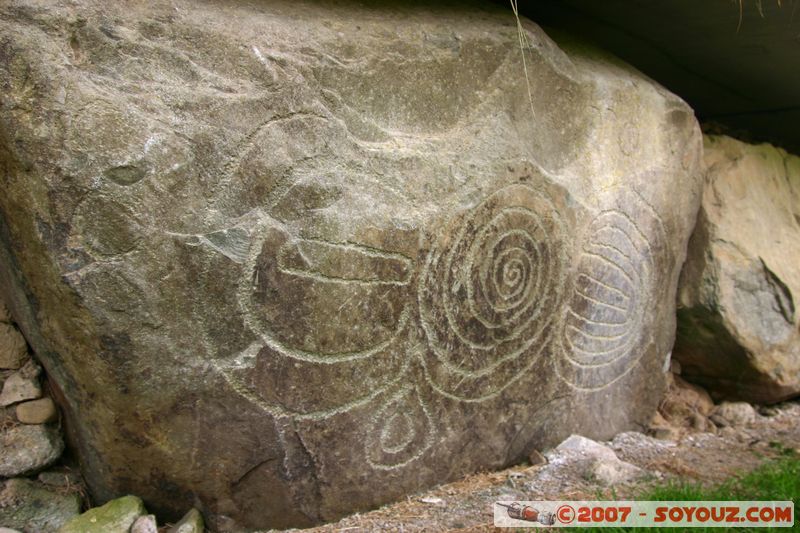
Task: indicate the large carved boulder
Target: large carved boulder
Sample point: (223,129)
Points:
(285,261)
(739,331)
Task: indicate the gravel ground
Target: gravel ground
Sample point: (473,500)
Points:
(707,457)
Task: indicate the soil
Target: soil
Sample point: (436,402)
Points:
(703,457)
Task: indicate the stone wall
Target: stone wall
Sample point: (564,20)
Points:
(31,499)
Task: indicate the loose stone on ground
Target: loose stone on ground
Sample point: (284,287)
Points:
(116,516)
(30,506)
(28,448)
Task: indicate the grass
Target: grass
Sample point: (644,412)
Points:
(778,479)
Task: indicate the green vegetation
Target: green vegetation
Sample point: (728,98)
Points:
(778,479)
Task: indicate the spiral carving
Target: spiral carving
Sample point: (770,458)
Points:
(489,289)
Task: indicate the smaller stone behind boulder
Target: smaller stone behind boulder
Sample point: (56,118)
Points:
(192,522)
(684,408)
(17,389)
(26,449)
(738,326)
(116,516)
(739,414)
(145,524)
(37,411)
(29,506)
(594,461)
(586,447)
(662,429)
(13,348)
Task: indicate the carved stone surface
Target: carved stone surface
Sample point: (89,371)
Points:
(739,330)
(287,261)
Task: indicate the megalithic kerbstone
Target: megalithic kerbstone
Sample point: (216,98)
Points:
(287,261)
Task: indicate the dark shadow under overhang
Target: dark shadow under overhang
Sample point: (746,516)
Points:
(737,65)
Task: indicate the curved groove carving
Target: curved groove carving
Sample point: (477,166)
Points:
(489,290)
(496,289)
(400,432)
(287,297)
(286,293)
(608,316)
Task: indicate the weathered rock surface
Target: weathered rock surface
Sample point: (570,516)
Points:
(145,524)
(36,411)
(662,429)
(116,516)
(593,461)
(734,414)
(26,449)
(192,522)
(22,385)
(685,407)
(739,331)
(580,446)
(13,349)
(32,508)
(611,473)
(287,261)
(5,316)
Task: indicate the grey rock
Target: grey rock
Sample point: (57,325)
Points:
(610,473)
(739,331)
(145,524)
(18,388)
(61,477)
(13,348)
(33,508)
(116,516)
(316,253)
(581,446)
(594,461)
(734,414)
(26,449)
(192,522)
